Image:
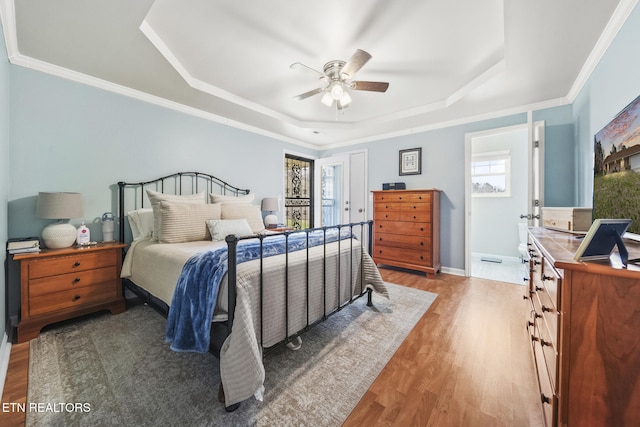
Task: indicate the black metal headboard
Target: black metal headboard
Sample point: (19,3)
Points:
(132,195)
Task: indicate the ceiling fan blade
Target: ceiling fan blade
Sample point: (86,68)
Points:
(308,70)
(310,93)
(371,86)
(354,63)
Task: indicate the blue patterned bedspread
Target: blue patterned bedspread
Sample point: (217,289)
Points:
(191,311)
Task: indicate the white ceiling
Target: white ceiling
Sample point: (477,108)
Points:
(446,61)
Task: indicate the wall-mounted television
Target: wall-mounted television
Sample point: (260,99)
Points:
(616,184)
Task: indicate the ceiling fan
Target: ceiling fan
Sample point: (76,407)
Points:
(336,77)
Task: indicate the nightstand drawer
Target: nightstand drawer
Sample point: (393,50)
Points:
(75,297)
(64,282)
(72,263)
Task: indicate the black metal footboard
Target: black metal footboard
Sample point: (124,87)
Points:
(364,235)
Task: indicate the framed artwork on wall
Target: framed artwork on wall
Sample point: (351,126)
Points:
(411,161)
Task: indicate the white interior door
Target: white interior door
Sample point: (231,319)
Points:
(332,190)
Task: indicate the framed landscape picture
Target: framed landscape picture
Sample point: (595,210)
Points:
(411,161)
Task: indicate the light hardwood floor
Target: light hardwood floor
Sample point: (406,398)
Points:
(466,363)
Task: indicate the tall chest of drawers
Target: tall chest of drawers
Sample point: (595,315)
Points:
(406,230)
(58,284)
(583,319)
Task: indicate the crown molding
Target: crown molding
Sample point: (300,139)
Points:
(618,19)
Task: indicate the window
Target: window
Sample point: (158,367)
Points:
(491,174)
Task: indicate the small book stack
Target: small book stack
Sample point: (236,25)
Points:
(23,246)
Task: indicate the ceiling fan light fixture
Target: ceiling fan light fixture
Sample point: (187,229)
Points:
(344,100)
(327,99)
(337,91)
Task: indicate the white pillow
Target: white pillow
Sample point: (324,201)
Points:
(221,228)
(228,200)
(183,222)
(250,212)
(141,223)
(155,198)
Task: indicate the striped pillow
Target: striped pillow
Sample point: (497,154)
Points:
(185,222)
(250,212)
(155,198)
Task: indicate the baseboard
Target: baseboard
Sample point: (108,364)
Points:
(454,271)
(5,354)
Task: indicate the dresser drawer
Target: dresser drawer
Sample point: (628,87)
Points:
(386,214)
(396,196)
(548,398)
(49,303)
(64,282)
(409,256)
(403,228)
(401,241)
(551,282)
(71,263)
(415,212)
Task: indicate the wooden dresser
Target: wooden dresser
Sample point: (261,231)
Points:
(406,229)
(584,322)
(58,284)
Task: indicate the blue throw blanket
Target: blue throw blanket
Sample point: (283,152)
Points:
(191,311)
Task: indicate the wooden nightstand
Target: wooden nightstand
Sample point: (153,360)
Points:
(58,284)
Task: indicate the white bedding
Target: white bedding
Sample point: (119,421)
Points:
(156,268)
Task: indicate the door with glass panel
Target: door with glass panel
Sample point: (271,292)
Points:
(298,200)
(332,189)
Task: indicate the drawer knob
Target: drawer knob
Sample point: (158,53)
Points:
(76,264)
(421,228)
(414,217)
(76,298)
(544,398)
(536,262)
(546,277)
(543,343)
(76,280)
(421,243)
(546,309)
(538,288)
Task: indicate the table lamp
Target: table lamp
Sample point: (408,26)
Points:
(60,206)
(270,205)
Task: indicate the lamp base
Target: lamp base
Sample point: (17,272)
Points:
(270,220)
(59,235)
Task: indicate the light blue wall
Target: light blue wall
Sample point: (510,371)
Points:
(64,136)
(4,167)
(70,137)
(614,83)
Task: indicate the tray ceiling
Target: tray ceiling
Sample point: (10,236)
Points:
(446,61)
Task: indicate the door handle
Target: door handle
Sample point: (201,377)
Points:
(529,216)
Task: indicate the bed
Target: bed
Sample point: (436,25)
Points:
(199,253)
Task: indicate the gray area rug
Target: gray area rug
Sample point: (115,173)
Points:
(117,370)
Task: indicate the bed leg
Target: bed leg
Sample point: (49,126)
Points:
(230,408)
(369,293)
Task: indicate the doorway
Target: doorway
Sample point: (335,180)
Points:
(340,184)
(502,193)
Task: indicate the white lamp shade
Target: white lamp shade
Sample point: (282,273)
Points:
(270,204)
(59,205)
